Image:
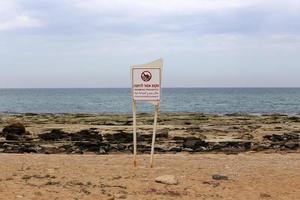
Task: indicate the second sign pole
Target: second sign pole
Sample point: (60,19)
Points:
(134,132)
(154,134)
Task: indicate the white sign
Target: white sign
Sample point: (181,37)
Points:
(146,81)
(146,86)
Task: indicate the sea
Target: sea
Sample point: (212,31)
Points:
(174,100)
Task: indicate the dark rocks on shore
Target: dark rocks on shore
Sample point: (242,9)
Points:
(16,128)
(88,146)
(284,137)
(280,142)
(54,135)
(87,135)
(14,131)
(294,119)
(119,137)
(230,147)
(193,143)
(238,114)
(91,140)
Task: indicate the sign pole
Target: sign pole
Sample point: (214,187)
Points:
(146,87)
(154,134)
(134,132)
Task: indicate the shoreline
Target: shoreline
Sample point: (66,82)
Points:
(181,132)
(150,113)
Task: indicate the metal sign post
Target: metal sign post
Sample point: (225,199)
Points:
(146,86)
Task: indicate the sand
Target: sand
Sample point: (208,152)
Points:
(268,167)
(250,176)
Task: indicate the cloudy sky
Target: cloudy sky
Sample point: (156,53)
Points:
(204,43)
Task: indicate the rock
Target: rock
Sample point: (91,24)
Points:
(88,146)
(28,148)
(54,135)
(87,135)
(163,133)
(273,137)
(16,128)
(175,149)
(14,131)
(119,137)
(167,179)
(292,145)
(193,143)
(219,177)
(294,119)
(238,114)
(190,150)
(285,137)
(145,137)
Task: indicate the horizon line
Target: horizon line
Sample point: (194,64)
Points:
(192,87)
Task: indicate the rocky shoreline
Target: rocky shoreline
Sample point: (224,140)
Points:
(182,132)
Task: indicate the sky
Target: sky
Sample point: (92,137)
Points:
(204,43)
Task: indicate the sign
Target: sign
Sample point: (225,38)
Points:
(146,86)
(146,81)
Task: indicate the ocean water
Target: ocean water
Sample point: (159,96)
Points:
(206,100)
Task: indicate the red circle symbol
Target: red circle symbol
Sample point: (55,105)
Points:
(146,76)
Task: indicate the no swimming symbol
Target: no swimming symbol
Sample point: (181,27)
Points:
(146,76)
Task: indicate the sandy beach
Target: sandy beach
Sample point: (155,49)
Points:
(78,156)
(250,176)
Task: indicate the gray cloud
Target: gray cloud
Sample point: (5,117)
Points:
(223,43)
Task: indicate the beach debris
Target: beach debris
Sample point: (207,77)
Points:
(219,177)
(167,179)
